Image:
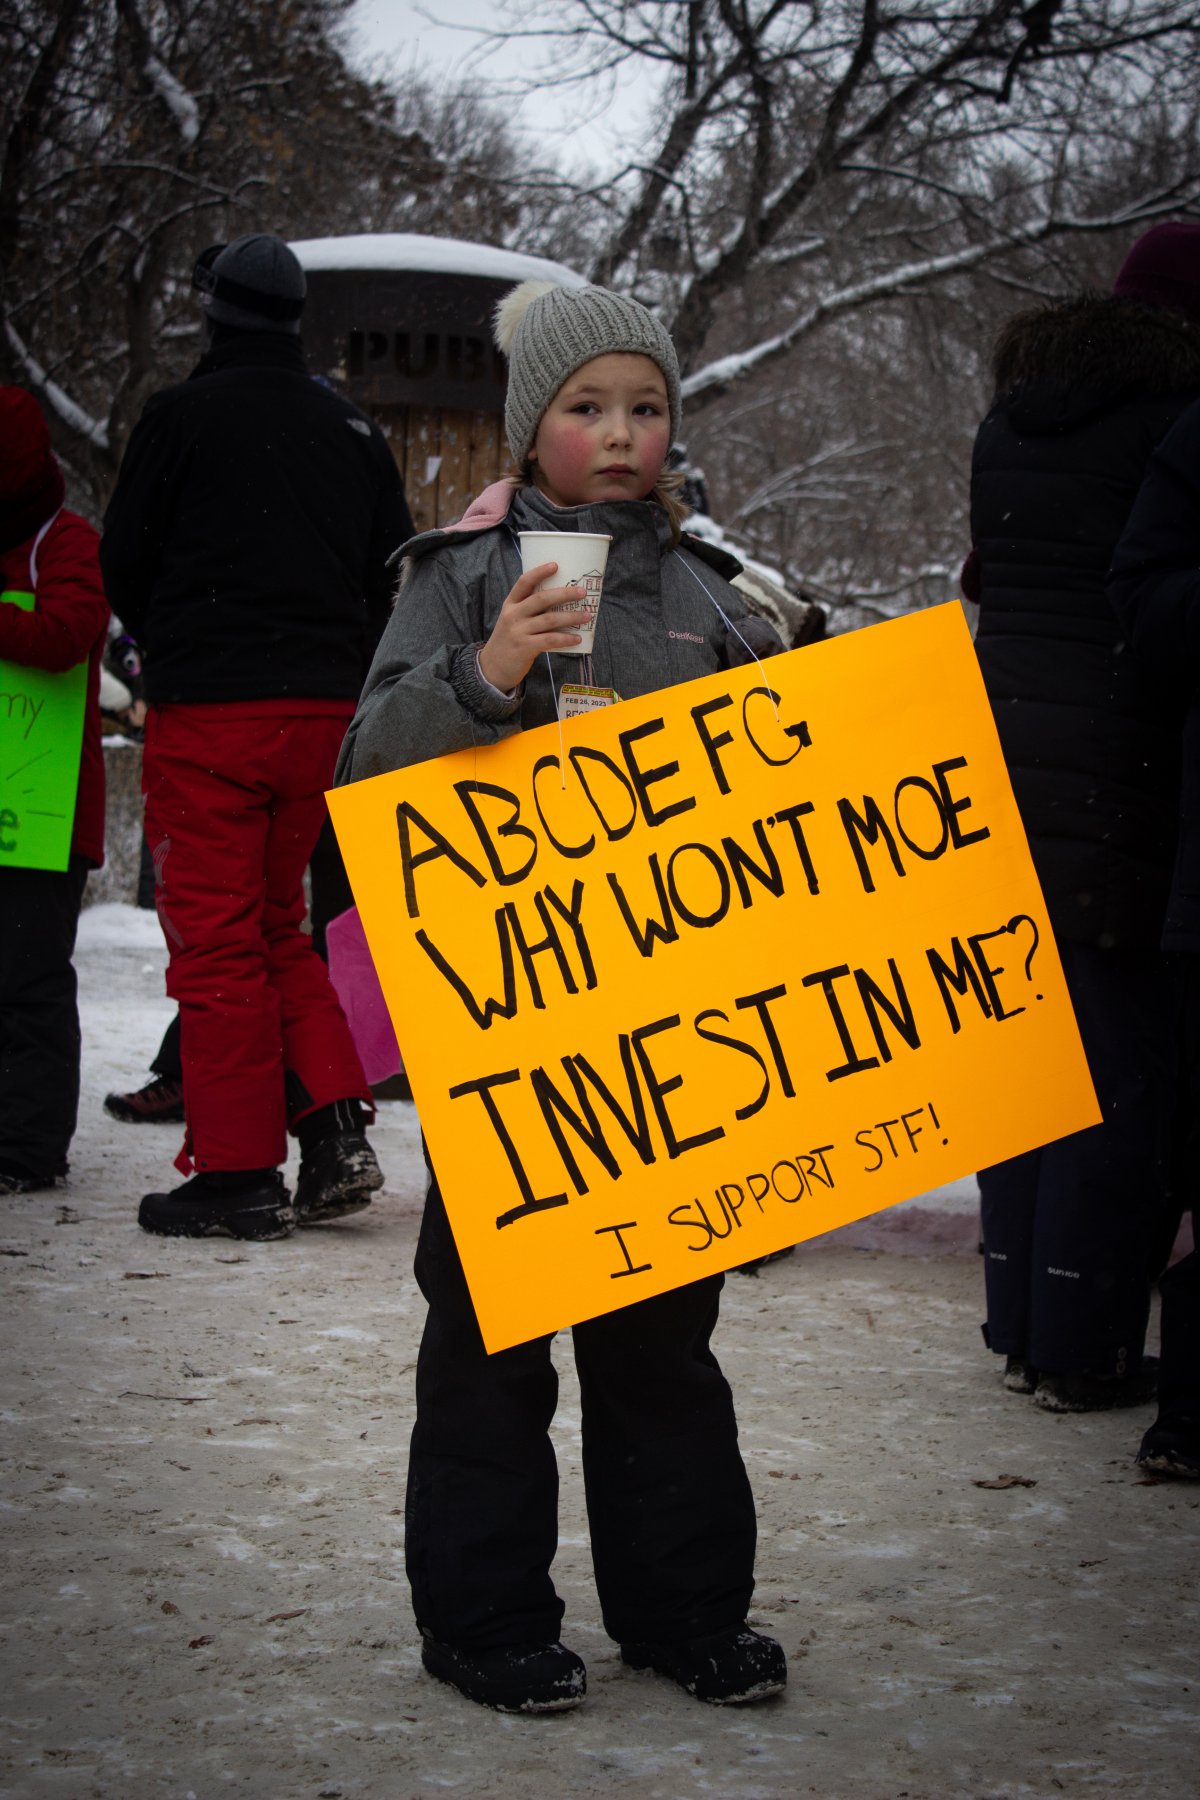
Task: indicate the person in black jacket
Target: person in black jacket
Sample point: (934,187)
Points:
(245,549)
(1155,588)
(1074,1233)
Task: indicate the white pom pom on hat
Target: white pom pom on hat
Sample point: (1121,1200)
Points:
(547,332)
(512,309)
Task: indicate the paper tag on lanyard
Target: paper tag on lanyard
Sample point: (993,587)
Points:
(574,699)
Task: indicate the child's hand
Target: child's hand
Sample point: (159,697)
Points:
(529,623)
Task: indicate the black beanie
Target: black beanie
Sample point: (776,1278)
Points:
(254,284)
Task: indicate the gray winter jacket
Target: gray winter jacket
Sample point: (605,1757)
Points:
(657,626)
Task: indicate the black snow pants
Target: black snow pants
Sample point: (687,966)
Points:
(1075,1233)
(1179,1373)
(669,1506)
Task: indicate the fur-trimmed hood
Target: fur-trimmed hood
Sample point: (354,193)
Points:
(1056,365)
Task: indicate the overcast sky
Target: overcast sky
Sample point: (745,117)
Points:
(556,121)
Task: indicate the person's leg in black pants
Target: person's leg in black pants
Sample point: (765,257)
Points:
(169,1060)
(329,886)
(1172,1444)
(671,1513)
(39,1019)
(1008,1202)
(482,1505)
(669,1504)
(1105,1192)
(1071,1230)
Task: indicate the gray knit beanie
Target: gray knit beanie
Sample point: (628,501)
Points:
(547,332)
(254,284)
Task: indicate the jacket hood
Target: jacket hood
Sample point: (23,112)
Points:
(31,481)
(1058,365)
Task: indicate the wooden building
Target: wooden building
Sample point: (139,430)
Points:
(402,326)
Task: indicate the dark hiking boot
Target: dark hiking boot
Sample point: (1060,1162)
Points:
(15,1178)
(160,1102)
(222,1203)
(1077,1392)
(728,1668)
(1172,1446)
(524,1678)
(1020,1377)
(337,1176)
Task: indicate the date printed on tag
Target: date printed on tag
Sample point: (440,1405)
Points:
(574,699)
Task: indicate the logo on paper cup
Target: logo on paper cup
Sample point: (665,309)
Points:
(591,583)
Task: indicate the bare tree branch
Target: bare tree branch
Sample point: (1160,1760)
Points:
(74,416)
(715,378)
(179,104)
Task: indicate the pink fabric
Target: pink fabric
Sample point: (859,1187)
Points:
(357,986)
(487,509)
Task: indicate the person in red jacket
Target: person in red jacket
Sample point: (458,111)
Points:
(53,617)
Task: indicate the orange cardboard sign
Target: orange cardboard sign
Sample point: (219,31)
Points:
(709,972)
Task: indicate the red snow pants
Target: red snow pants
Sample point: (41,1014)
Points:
(234,797)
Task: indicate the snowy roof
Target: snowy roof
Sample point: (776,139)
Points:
(402,250)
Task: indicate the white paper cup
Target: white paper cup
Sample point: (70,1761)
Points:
(581,556)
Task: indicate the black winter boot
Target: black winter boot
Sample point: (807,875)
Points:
(237,1203)
(15,1178)
(1020,1376)
(1076,1392)
(1172,1445)
(727,1668)
(338,1168)
(521,1678)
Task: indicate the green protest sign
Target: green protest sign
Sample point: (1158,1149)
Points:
(41,734)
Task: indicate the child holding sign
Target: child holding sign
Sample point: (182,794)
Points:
(593,403)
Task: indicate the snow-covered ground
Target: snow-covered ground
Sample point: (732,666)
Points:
(204,1452)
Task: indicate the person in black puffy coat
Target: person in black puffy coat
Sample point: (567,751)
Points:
(1155,588)
(1074,1232)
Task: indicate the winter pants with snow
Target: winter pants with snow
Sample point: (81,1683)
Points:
(39,1020)
(1073,1233)
(669,1505)
(234,802)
